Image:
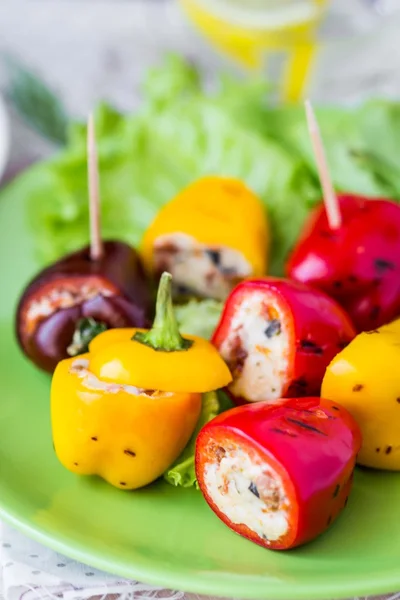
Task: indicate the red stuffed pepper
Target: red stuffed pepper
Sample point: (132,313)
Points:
(278,475)
(278,337)
(76,298)
(358,263)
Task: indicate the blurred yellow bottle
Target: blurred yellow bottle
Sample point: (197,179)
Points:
(251,31)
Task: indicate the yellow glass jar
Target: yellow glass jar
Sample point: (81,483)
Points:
(251,31)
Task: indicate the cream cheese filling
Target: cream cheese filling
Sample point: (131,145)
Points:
(80,368)
(248,493)
(256,349)
(59,298)
(206,271)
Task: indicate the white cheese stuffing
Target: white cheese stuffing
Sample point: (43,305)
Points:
(80,368)
(258,335)
(59,298)
(229,483)
(206,271)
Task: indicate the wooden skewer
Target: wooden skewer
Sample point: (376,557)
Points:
(96,243)
(330,199)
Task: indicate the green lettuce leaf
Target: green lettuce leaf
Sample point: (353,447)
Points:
(182,472)
(180,134)
(199,317)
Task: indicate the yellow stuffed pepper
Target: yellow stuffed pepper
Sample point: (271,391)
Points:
(210,237)
(365,379)
(126,409)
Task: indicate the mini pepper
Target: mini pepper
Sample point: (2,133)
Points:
(279,474)
(126,409)
(278,336)
(365,379)
(210,236)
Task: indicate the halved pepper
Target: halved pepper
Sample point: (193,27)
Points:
(129,425)
(210,237)
(279,474)
(365,379)
(278,336)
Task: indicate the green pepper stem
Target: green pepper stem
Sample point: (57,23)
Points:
(164,335)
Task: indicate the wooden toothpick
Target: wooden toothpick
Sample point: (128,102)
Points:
(96,243)
(330,199)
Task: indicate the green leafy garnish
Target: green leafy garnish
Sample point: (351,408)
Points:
(182,472)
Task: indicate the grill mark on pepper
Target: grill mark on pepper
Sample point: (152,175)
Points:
(327,234)
(305,426)
(311,347)
(298,386)
(346,501)
(374,314)
(253,489)
(130,453)
(274,328)
(343,344)
(358,387)
(329,520)
(283,432)
(388,450)
(215,256)
(336,491)
(382,265)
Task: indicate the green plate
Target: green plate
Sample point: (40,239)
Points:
(162,535)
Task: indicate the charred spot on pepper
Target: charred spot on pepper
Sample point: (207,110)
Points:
(274,328)
(76,464)
(129,452)
(372,331)
(94,439)
(327,233)
(388,449)
(337,284)
(382,265)
(346,501)
(336,491)
(311,347)
(374,314)
(298,386)
(306,426)
(352,279)
(358,387)
(377,449)
(253,489)
(215,257)
(398,400)
(283,431)
(122,483)
(343,344)
(329,521)
(336,408)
